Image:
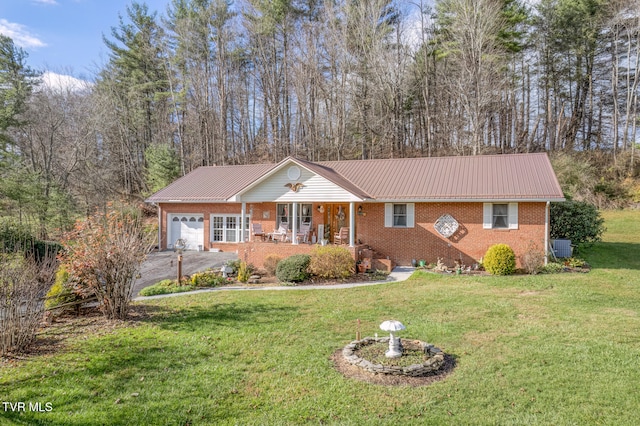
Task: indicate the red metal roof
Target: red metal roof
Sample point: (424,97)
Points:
(485,177)
(214,183)
(490,177)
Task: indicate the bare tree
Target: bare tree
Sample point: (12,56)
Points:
(474,79)
(625,72)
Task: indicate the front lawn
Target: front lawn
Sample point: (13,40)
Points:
(558,349)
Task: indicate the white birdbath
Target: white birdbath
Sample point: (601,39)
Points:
(395,347)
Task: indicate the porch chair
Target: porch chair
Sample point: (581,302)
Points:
(281,232)
(258,231)
(303,232)
(342,237)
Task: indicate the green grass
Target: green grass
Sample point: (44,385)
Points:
(560,349)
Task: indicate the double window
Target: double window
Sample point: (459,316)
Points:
(285,214)
(500,216)
(227,229)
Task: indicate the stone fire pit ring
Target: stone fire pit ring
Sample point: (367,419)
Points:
(433,364)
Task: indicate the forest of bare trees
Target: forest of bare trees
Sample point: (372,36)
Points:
(231,82)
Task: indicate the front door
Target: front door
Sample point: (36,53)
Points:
(339,218)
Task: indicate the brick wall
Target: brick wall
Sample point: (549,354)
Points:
(400,245)
(470,242)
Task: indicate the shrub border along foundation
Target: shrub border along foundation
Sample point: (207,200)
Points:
(434,363)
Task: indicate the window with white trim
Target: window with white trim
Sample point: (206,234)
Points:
(226,228)
(500,216)
(285,214)
(399,215)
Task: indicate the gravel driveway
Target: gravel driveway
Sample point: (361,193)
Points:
(162,265)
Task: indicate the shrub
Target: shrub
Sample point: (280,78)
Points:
(532,260)
(16,238)
(271,263)
(552,268)
(293,268)
(22,284)
(206,279)
(244,272)
(500,260)
(165,287)
(577,221)
(61,291)
(576,262)
(103,255)
(234,264)
(331,262)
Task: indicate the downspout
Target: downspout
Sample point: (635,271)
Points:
(352,224)
(546,233)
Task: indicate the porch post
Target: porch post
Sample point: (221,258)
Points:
(243,215)
(352,224)
(294,226)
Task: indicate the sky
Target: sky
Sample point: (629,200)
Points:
(65,36)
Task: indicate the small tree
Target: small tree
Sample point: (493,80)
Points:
(577,221)
(103,256)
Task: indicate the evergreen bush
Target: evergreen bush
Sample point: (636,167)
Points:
(577,221)
(293,268)
(500,260)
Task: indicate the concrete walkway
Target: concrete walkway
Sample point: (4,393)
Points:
(399,273)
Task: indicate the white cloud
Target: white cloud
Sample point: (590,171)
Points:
(20,35)
(63,82)
(47,2)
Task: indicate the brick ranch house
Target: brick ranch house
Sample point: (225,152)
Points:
(396,210)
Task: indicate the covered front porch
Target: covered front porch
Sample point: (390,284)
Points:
(300,223)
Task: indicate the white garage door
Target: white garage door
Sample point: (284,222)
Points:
(189,228)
